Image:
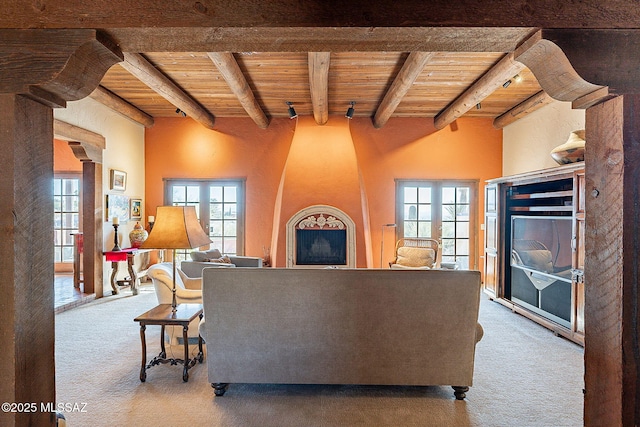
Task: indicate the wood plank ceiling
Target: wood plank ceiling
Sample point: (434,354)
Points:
(433,83)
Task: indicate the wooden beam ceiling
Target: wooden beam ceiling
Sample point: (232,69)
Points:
(410,71)
(319,85)
(527,106)
(142,69)
(121,106)
(504,70)
(238,84)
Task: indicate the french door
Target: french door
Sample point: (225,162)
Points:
(219,206)
(442,210)
(66,218)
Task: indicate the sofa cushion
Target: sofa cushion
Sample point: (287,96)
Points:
(205,256)
(415,257)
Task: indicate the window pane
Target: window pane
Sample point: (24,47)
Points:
(411,229)
(57,254)
(424,229)
(70,220)
(463,194)
(424,212)
(462,246)
(70,186)
(67,254)
(424,194)
(215,194)
(57,220)
(57,237)
(57,204)
(230,194)
(462,229)
(462,213)
(57,186)
(448,194)
(178,195)
(230,210)
(463,262)
(410,212)
(215,210)
(229,228)
(215,228)
(70,203)
(68,238)
(448,212)
(216,243)
(410,194)
(230,246)
(193,194)
(448,247)
(448,230)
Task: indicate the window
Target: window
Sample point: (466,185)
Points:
(440,210)
(219,206)
(66,216)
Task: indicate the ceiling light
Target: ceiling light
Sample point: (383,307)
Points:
(506,84)
(292,111)
(350,110)
(478,106)
(517,78)
(179,111)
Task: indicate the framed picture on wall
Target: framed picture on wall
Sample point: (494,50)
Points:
(118,180)
(117,205)
(135,208)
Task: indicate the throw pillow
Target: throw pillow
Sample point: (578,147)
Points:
(415,257)
(205,256)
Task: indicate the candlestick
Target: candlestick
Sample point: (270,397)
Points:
(116,247)
(152,220)
(115,220)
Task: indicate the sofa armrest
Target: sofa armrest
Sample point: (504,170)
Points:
(194,268)
(245,261)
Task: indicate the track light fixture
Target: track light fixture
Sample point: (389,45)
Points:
(350,110)
(179,111)
(517,78)
(478,106)
(292,111)
(506,84)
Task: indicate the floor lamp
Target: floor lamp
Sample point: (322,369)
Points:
(382,242)
(176,227)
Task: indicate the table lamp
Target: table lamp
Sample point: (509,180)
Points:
(176,227)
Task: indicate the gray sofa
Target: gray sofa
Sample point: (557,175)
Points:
(341,326)
(203,259)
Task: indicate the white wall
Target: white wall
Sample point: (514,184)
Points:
(124,151)
(526,143)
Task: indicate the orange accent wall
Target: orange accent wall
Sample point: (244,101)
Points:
(346,163)
(63,158)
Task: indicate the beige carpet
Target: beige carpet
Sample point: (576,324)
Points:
(524,376)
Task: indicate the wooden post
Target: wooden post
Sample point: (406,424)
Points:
(612,263)
(26,261)
(92,227)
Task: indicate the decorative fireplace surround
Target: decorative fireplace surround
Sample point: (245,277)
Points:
(321,217)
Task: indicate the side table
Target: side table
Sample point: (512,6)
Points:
(162,315)
(127,255)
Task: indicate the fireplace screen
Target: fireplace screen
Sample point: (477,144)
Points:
(321,247)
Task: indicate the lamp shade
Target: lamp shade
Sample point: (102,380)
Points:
(176,227)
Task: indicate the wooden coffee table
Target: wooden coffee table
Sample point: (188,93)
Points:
(164,316)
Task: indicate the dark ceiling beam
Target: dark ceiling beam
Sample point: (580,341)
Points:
(289,13)
(319,85)
(489,82)
(410,71)
(119,105)
(314,39)
(144,71)
(527,106)
(232,74)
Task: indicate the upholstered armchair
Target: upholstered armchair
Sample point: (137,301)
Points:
(161,276)
(415,254)
(188,291)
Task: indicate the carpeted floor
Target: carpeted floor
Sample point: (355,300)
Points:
(524,376)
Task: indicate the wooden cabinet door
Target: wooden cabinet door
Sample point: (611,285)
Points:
(491,276)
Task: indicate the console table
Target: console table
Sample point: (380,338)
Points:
(163,315)
(128,255)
